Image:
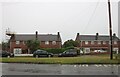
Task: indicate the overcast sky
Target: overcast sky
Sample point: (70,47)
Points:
(69,17)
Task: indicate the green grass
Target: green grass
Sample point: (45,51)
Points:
(88,59)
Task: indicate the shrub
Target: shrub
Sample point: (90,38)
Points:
(55,50)
(24,51)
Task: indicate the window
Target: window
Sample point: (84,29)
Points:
(46,42)
(23,42)
(17,50)
(99,42)
(17,42)
(104,42)
(54,42)
(92,42)
(86,42)
(115,42)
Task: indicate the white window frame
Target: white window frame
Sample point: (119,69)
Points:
(86,42)
(104,42)
(115,42)
(46,42)
(17,42)
(99,42)
(92,42)
(54,42)
(24,42)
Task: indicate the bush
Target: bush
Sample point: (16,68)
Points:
(117,56)
(70,47)
(24,51)
(55,50)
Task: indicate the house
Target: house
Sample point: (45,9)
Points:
(97,42)
(17,41)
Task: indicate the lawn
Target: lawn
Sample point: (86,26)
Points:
(86,59)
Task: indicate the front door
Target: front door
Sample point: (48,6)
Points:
(17,50)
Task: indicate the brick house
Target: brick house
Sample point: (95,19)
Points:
(17,41)
(97,42)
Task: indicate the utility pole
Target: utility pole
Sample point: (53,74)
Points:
(110,29)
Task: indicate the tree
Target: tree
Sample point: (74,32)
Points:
(32,45)
(5,45)
(70,43)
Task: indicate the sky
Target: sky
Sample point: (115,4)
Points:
(68,17)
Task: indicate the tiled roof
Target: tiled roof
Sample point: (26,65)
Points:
(41,37)
(100,37)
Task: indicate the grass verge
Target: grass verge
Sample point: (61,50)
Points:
(88,59)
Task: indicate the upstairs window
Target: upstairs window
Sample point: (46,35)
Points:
(47,42)
(115,42)
(17,42)
(92,42)
(99,42)
(86,42)
(104,42)
(23,42)
(54,42)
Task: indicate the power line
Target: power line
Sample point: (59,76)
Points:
(91,15)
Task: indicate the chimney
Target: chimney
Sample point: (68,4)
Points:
(58,34)
(36,36)
(78,37)
(97,34)
(114,35)
(78,34)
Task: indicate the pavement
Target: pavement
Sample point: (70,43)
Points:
(58,69)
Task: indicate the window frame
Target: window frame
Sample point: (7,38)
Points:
(99,42)
(104,42)
(86,42)
(92,42)
(115,42)
(46,42)
(17,42)
(54,42)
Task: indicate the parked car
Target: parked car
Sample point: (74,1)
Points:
(6,54)
(68,53)
(99,51)
(42,53)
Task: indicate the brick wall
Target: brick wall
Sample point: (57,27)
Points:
(24,47)
(96,45)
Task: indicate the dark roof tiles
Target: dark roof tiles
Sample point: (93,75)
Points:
(41,37)
(100,37)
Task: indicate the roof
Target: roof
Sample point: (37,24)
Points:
(100,37)
(41,37)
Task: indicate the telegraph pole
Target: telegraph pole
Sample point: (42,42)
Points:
(110,29)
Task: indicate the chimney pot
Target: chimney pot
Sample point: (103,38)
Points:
(97,34)
(114,35)
(78,34)
(58,33)
(36,35)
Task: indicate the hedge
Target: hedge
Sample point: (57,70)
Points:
(54,50)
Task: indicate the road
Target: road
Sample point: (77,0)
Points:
(57,69)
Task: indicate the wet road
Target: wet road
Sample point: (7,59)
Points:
(57,69)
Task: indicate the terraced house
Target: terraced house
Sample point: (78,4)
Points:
(17,41)
(97,42)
